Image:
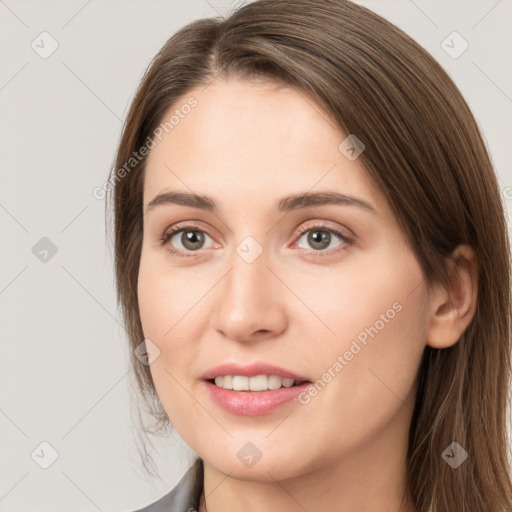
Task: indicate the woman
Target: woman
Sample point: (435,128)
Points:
(311,247)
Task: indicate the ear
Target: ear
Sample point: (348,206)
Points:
(453,308)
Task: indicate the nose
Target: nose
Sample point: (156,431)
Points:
(250,304)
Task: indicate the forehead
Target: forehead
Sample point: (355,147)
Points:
(250,136)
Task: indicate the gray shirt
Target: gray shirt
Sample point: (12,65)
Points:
(185,496)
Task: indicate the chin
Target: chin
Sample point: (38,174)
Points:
(264,464)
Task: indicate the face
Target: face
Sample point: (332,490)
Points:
(321,299)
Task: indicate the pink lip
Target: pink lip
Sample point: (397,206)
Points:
(250,371)
(252,403)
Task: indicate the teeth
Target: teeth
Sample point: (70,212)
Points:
(287,383)
(274,382)
(240,383)
(258,383)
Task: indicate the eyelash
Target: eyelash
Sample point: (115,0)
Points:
(164,239)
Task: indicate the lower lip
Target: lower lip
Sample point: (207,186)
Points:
(253,403)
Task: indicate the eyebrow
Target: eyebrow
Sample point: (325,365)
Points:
(285,204)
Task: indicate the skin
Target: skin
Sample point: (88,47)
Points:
(247,144)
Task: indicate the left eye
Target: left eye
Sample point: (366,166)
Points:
(320,238)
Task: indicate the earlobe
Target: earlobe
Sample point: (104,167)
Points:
(453,307)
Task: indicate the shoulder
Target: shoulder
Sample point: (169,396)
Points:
(184,496)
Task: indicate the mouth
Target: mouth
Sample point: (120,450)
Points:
(256,383)
(252,390)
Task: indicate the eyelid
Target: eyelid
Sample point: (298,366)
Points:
(346,233)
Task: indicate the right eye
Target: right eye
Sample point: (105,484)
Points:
(189,237)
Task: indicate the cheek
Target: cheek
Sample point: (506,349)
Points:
(166,308)
(379,291)
(379,317)
(167,297)
(173,309)
(154,300)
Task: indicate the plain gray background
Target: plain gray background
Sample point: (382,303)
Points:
(64,359)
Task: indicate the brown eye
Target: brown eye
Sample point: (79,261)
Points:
(183,240)
(320,238)
(192,240)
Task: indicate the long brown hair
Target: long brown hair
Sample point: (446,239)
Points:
(424,150)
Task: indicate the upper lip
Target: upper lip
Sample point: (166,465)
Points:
(251,370)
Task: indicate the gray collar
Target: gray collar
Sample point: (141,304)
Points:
(185,496)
